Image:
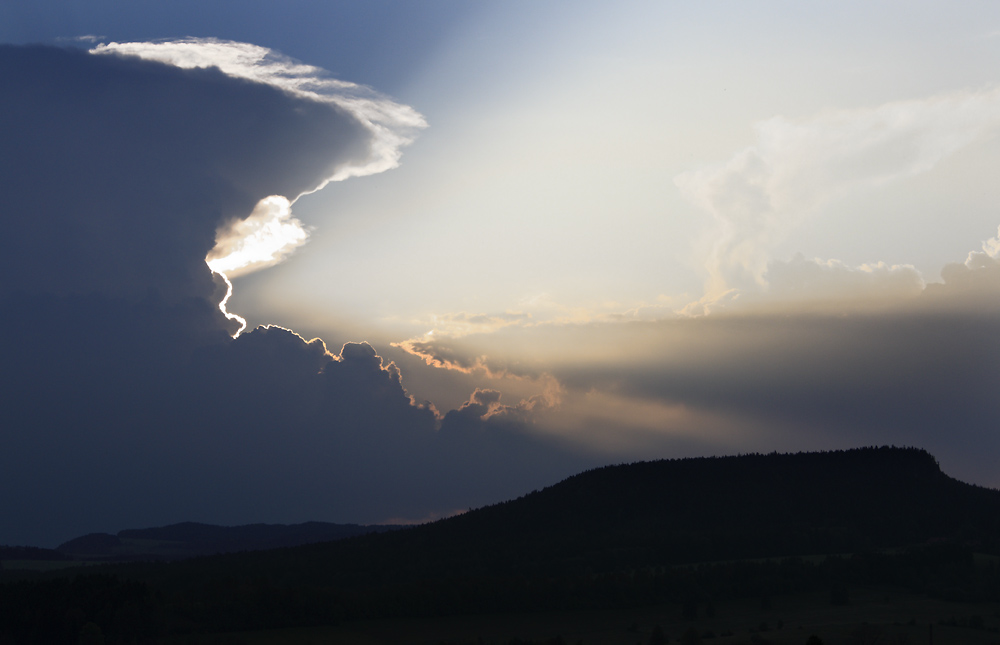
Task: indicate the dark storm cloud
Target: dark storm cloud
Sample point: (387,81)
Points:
(126,402)
(117,171)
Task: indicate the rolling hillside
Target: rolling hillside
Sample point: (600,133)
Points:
(615,537)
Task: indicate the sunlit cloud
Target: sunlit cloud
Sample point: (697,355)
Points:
(460,324)
(992,246)
(269,234)
(265,238)
(796,167)
(821,286)
(486,409)
(538,311)
(393,125)
(829,355)
(432,346)
(435,354)
(443,348)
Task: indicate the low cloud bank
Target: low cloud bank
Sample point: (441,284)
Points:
(873,356)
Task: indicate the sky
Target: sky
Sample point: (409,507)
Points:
(385,262)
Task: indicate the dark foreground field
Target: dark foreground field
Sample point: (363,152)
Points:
(874,616)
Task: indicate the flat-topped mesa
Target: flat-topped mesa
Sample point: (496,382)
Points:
(753,505)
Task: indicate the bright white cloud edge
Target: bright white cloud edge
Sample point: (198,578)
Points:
(270,234)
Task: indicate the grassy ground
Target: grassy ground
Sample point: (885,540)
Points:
(873,617)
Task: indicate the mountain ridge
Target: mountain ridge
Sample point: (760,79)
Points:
(670,512)
(193,539)
(672,532)
(904,486)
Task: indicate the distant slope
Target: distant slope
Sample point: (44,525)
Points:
(190,539)
(610,537)
(751,506)
(29,553)
(636,515)
(606,538)
(697,510)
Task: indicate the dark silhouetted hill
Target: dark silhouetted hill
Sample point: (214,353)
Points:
(29,553)
(191,539)
(706,509)
(613,537)
(694,510)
